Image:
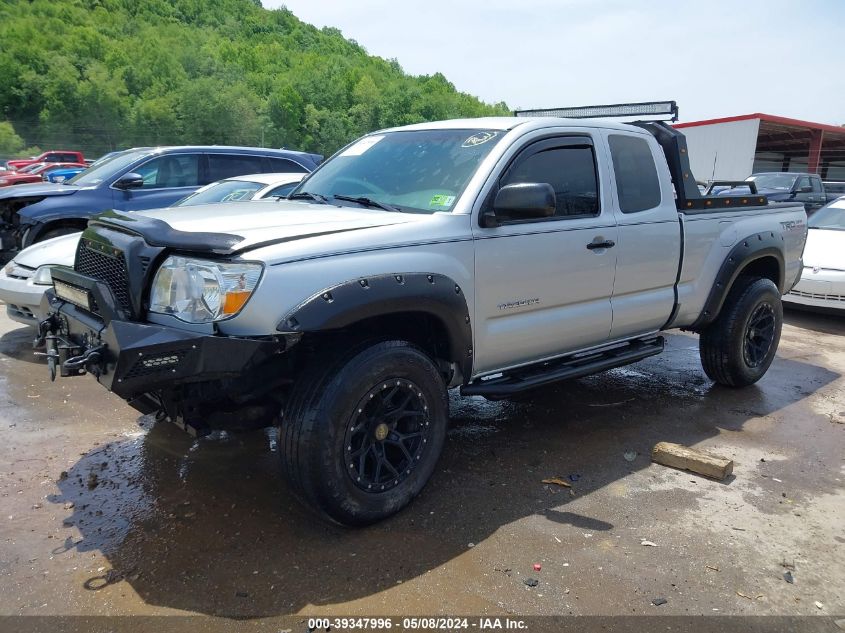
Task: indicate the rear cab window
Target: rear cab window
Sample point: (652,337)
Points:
(635,174)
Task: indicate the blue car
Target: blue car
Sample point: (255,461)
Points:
(131,180)
(65,173)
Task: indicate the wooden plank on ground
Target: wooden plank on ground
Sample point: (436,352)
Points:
(685,458)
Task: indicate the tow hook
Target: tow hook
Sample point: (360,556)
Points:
(89,361)
(70,358)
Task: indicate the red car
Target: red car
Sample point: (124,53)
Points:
(53,156)
(33,174)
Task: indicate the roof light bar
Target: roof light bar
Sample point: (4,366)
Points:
(646,108)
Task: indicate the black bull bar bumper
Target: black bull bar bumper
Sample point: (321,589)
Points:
(136,359)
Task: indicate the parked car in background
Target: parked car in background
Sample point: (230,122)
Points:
(27,168)
(784,186)
(132,180)
(242,188)
(53,156)
(833,190)
(24,279)
(60,174)
(36,172)
(822,283)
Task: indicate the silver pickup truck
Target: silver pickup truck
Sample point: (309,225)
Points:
(494,255)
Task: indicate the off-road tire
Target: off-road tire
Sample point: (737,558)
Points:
(722,345)
(319,427)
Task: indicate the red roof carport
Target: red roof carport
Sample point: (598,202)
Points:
(792,144)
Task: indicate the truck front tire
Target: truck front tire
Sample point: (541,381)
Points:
(738,347)
(363,431)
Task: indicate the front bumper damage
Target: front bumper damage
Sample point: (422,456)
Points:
(194,379)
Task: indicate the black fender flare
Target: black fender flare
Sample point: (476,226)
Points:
(355,300)
(744,252)
(37,231)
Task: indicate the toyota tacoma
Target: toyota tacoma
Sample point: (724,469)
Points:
(491,255)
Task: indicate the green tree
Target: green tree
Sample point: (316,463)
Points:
(101,74)
(10,142)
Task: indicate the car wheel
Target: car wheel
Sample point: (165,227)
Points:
(739,346)
(362,435)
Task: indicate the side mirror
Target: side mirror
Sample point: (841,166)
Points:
(521,201)
(806,189)
(129,181)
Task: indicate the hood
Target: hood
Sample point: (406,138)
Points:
(59,250)
(825,248)
(272,221)
(37,189)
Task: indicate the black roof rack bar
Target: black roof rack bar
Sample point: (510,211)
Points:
(644,108)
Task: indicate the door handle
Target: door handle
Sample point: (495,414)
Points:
(605,244)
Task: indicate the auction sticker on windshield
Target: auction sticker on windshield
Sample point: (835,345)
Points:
(441,201)
(361,146)
(479,139)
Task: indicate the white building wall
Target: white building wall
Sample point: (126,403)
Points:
(722,151)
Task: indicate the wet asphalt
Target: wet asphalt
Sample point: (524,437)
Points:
(106,513)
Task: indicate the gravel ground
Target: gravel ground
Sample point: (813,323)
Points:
(106,513)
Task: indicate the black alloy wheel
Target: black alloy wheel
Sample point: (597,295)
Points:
(759,335)
(387,435)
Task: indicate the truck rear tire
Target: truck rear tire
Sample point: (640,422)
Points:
(363,431)
(738,347)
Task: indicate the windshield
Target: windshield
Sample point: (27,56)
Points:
(422,171)
(221,191)
(831,216)
(106,170)
(781,182)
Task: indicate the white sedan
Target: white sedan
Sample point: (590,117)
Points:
(24,280)
(822,282)
(240,188)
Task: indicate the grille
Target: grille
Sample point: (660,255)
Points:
(814,295)
(146,365)
(110,269)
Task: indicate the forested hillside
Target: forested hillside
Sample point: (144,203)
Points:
(104,74)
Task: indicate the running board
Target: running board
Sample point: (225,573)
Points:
(526,378)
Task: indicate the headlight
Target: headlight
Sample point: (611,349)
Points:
(3,181)
(201,291)
(43,276)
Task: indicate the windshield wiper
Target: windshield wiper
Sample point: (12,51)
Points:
(307,195)
(367,202)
